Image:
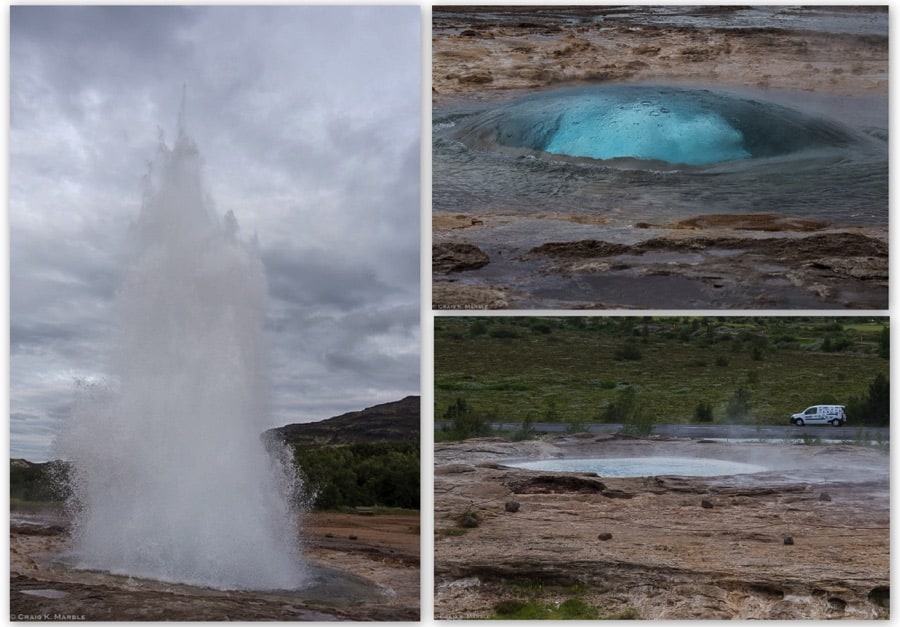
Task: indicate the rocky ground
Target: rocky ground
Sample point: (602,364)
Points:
(691,265)
(497,53)
(475,56)
(380,553)
(808,538)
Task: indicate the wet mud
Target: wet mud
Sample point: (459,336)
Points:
(805,539)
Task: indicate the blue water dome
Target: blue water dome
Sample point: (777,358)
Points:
(679,126)
(598,128)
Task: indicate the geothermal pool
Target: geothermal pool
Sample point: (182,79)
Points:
(631,153)
(643,466)
(672,125)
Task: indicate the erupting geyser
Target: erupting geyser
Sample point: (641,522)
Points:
(171,478)
(674,125)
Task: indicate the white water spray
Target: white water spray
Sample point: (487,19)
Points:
(171,478)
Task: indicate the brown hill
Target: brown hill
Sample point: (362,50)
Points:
(389,422)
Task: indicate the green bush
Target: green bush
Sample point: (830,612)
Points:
(874,407)
(465,421)
(38,482)
(379,474)
(628,410)
(629,352)
(703,412)
(738,407)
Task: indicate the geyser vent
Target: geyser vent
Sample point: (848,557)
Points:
(666,124)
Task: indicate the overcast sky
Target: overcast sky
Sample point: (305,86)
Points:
(307,120)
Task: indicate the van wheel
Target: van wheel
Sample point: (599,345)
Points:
(799,422)
(836,422)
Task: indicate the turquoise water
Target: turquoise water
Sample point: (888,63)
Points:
(602,128)
(632,153)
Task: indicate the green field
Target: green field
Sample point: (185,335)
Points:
(571,369)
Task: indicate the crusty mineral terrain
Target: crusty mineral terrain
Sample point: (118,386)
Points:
(806,538)
(378,552)
(476,56)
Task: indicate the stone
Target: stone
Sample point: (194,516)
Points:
(468,520)
(706,504)
(512,506)
(605,536)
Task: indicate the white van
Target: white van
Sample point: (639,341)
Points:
(820,415)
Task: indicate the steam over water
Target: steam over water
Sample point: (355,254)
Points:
(172,480)
(644,466)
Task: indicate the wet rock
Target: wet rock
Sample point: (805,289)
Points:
(469,520)
(751,222)
(457,257)
(443,222)
(512,506)
(881,596)
(617,494)
(605,536)
(476,78)
(453,469)
(550,484)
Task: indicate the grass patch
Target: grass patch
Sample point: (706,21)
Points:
(571,609)
(685,363)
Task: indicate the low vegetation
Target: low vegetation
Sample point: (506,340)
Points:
(384,474)
(37,483)
(643,370)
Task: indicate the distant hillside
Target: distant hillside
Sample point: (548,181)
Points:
(389,422)
(37,481)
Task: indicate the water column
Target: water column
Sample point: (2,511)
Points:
(171,478)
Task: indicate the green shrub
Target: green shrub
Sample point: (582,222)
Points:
(379,474)
(872,408)
(884,343)
(628,410)
(703,412)
(465,421)
(629,351)
(738,407)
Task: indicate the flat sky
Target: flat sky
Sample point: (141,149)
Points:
(307,120)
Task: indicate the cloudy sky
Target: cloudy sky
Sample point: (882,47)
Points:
(307,120)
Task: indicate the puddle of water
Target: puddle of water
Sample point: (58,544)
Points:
(644,466)
(322,584)
(46,593)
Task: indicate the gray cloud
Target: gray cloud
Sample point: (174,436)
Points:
(307,121)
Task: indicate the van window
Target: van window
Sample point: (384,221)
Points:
(811,411)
